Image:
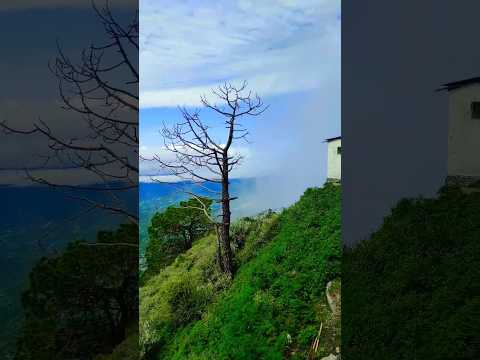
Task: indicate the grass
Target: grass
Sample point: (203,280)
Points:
(276,303)
(178,294)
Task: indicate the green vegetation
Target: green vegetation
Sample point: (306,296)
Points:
(174,230)
(79,303)
(411,290)
(182,291)
(127,349)
(273,307)
(178,295)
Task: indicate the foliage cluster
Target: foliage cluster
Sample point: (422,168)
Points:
(174,230)
(250,234)
(415,283)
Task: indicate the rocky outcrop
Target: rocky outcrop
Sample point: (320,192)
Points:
(333,294)
(331,357)
(333,299)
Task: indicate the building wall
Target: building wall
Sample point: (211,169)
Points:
(463,133)
(334,160)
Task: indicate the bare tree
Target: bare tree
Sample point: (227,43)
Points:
(102,90)
(201,159)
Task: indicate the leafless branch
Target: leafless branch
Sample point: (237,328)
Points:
(100,91)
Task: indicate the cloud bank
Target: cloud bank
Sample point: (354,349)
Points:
(279,46)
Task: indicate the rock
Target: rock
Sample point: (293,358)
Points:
(332,301)
(330,357)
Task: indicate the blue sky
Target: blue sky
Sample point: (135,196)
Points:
(288,51)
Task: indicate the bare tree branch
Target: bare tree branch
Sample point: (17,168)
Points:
(100,90)
(198,158)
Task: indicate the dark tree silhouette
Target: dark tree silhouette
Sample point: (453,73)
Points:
(101,90)
(78,304)
(199,158)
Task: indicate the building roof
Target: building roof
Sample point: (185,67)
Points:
(332,139)
(457,84)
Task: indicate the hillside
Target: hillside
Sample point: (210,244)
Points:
(274,306)
(415,282)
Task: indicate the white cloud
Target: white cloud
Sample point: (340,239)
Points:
(151,169)
(279,46)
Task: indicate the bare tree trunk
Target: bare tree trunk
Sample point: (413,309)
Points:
(219,248)
(226,251)
(187,239)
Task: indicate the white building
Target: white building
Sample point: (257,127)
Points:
(334,159)
(463,131)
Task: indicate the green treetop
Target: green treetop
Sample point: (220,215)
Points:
(173,231)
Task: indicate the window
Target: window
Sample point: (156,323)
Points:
(475,109)
(339,150)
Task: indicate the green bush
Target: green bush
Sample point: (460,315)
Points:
(411,290)
(253,233)
(239,231)
(187,301)
(173,231)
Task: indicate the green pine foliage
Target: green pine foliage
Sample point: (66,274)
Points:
(412,290)
(173,232)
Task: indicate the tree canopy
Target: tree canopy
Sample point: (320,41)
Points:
(173,231)
(79,304)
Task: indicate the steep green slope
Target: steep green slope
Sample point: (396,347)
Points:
(182,291)
(412,290)
(178,295)
(276,303)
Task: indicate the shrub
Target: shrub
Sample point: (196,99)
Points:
(253,233)
(411,290)
(173,232)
